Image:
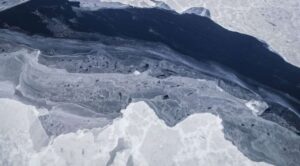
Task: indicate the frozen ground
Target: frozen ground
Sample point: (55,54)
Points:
(275,22)
(138,138)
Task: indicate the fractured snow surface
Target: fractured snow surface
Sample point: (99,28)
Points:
(273,21)
(138,138)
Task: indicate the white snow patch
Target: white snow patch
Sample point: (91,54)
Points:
(146,140)
(137,73)
(257,107)
(7,89)
(139,135)
(20,133)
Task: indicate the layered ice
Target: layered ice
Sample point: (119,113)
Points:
(85,85)
(120,100)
